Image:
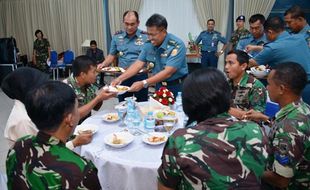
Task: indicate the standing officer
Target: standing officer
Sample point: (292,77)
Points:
(296,21)
(126,46)
(238,33)
(168,54)
(257,36)
(210,39)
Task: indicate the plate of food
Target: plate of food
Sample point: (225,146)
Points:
(260,71)
(119,89)
(85,128)
(113,69)
(110,117)
(118,139)
(162,116)
(155,138)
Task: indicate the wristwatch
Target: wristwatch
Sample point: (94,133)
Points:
(145,84)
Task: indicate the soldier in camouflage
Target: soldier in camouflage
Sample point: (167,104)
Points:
(238,33)
(289,161)
(247,92)
(41,52)
(43,161)
(219,152)
(82,82)
(296,21)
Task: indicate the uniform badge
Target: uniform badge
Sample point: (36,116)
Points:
(164,54)
(139,41)
(121,39)
(174,52)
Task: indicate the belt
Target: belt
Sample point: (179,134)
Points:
(173,82)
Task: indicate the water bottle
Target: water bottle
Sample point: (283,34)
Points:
(178,102)
(149,121)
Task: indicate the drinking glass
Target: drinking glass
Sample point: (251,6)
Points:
(168,125)
(121,110)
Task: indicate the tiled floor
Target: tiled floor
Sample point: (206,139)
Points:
(6,105)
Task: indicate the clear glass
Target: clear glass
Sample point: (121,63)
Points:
(121,110)
(168,125)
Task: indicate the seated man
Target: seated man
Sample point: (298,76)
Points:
(219,152)
(43,161)
(289,138)
(94,52)
(247,92)
(84,75)
(97,54)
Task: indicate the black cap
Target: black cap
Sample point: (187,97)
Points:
(241,17)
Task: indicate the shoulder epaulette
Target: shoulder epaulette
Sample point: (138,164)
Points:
(118,32)
(143,32)
(245,36)
(217,32)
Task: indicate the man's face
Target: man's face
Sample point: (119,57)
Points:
(90,76)
(292,23)
(240,23)
(156,35)
(210,25)
(75,115)
(257,29)
(273,88)
(93,47)
(234,70)
(130,24)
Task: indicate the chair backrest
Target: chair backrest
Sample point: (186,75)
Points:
(53,58)
(271,109)
(68,56)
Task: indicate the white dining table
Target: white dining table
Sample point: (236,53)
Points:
(133,167)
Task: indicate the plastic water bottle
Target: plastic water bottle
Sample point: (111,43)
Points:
(178,102)
(149,121)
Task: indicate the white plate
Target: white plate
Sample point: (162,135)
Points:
(147,138)
(84,127)
(125,137)
(114,117)
(119,89)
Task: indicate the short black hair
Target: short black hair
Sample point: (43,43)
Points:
(257,17)
(242,57)
(48,104)
(82,63)
(203,99)
(295,12)
(211,19)
(93,42)
(275,24)
(157,20)
(292,75)
(21,81)
(130,11)
(37,32)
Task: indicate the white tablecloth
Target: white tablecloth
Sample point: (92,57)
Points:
(133,167)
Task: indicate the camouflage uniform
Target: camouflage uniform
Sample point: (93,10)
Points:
(84,94)
(218,153)
(250,93)
(237,34)
(290,145)
(41,48)
(44,162)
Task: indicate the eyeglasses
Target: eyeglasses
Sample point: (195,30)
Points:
(155,34)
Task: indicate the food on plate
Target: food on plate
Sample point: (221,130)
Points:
(117,140)
(121,88)
(161,114)
(155,139)
(111,117)
(113,69)
(84,131)
(260,68)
